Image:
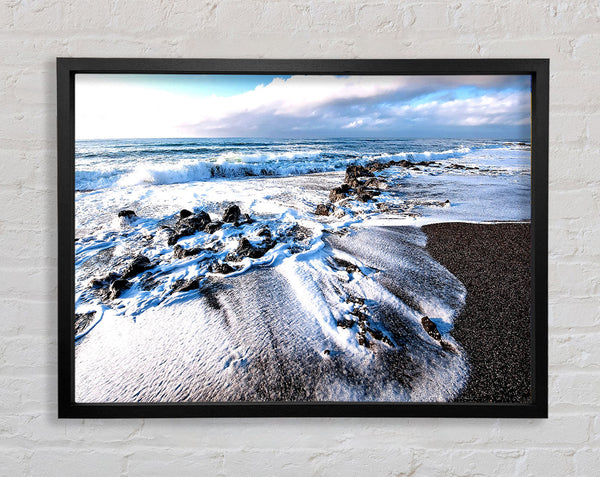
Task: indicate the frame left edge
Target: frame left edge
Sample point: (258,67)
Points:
(65,95)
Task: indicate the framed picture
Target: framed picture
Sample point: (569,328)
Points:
(302,237)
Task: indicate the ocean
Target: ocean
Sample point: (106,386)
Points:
(281,303)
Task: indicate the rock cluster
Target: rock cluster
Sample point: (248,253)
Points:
(359,319)
(361,183)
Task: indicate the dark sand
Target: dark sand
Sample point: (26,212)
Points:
(493,262)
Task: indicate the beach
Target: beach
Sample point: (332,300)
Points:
(233,270)
(494,327)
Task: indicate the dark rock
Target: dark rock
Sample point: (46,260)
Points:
(148,281)
(179,252)
(348,266)
(175,236)
(104,281)
(448,347)
(353,172)
(117,288)
(339,193)
(299,233)
(183,213)
(354,182)
(355,299)
(346,323)
(374,183)
(378,166)
(386,340)
(431,329)
(361,315)
(212,227)
(223,268)
(362,340)
(376,334)
(326,352)
(139,264)
(128,214)
(189,225)
(231,214)
(364,195)
(456,166)
(264,232)
(186,285)
(246,249)
(195,222)
(245,219)
(323,209)
(83,321)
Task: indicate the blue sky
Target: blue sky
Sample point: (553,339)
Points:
(136,106)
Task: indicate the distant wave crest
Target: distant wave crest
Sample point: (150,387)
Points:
(173,169)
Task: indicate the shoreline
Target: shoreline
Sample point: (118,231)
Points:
(493,262)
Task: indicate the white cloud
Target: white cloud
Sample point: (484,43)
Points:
(108,108)
(353,124)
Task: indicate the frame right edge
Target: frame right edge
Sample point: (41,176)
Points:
(539,236)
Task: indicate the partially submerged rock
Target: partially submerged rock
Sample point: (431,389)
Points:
(212,227)
(338,193)
(244,219)
(365,195)
(196,222)
(264,232)
(361,337)
(231,214)
(83,321)
(344,264)
(102,282)
(127,213)
(354,182)
(431,328)
(375,183)
(355,299)
(189,225)
(345,323)
(323,209)
(117,287)
(183,213)
(353,172)
(179,252)
(140,264)
(376,334)
(299,233)
(186,285)
(223,268)
(246,249)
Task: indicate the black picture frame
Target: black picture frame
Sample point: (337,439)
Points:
(67,68)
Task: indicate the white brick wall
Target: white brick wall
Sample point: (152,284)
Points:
(34,32)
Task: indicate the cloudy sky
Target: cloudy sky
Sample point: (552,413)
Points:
(149,106)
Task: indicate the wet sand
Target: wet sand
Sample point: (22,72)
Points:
(493,262)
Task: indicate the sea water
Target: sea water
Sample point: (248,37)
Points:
(271,329)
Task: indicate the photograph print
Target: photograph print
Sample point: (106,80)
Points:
(302,238)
